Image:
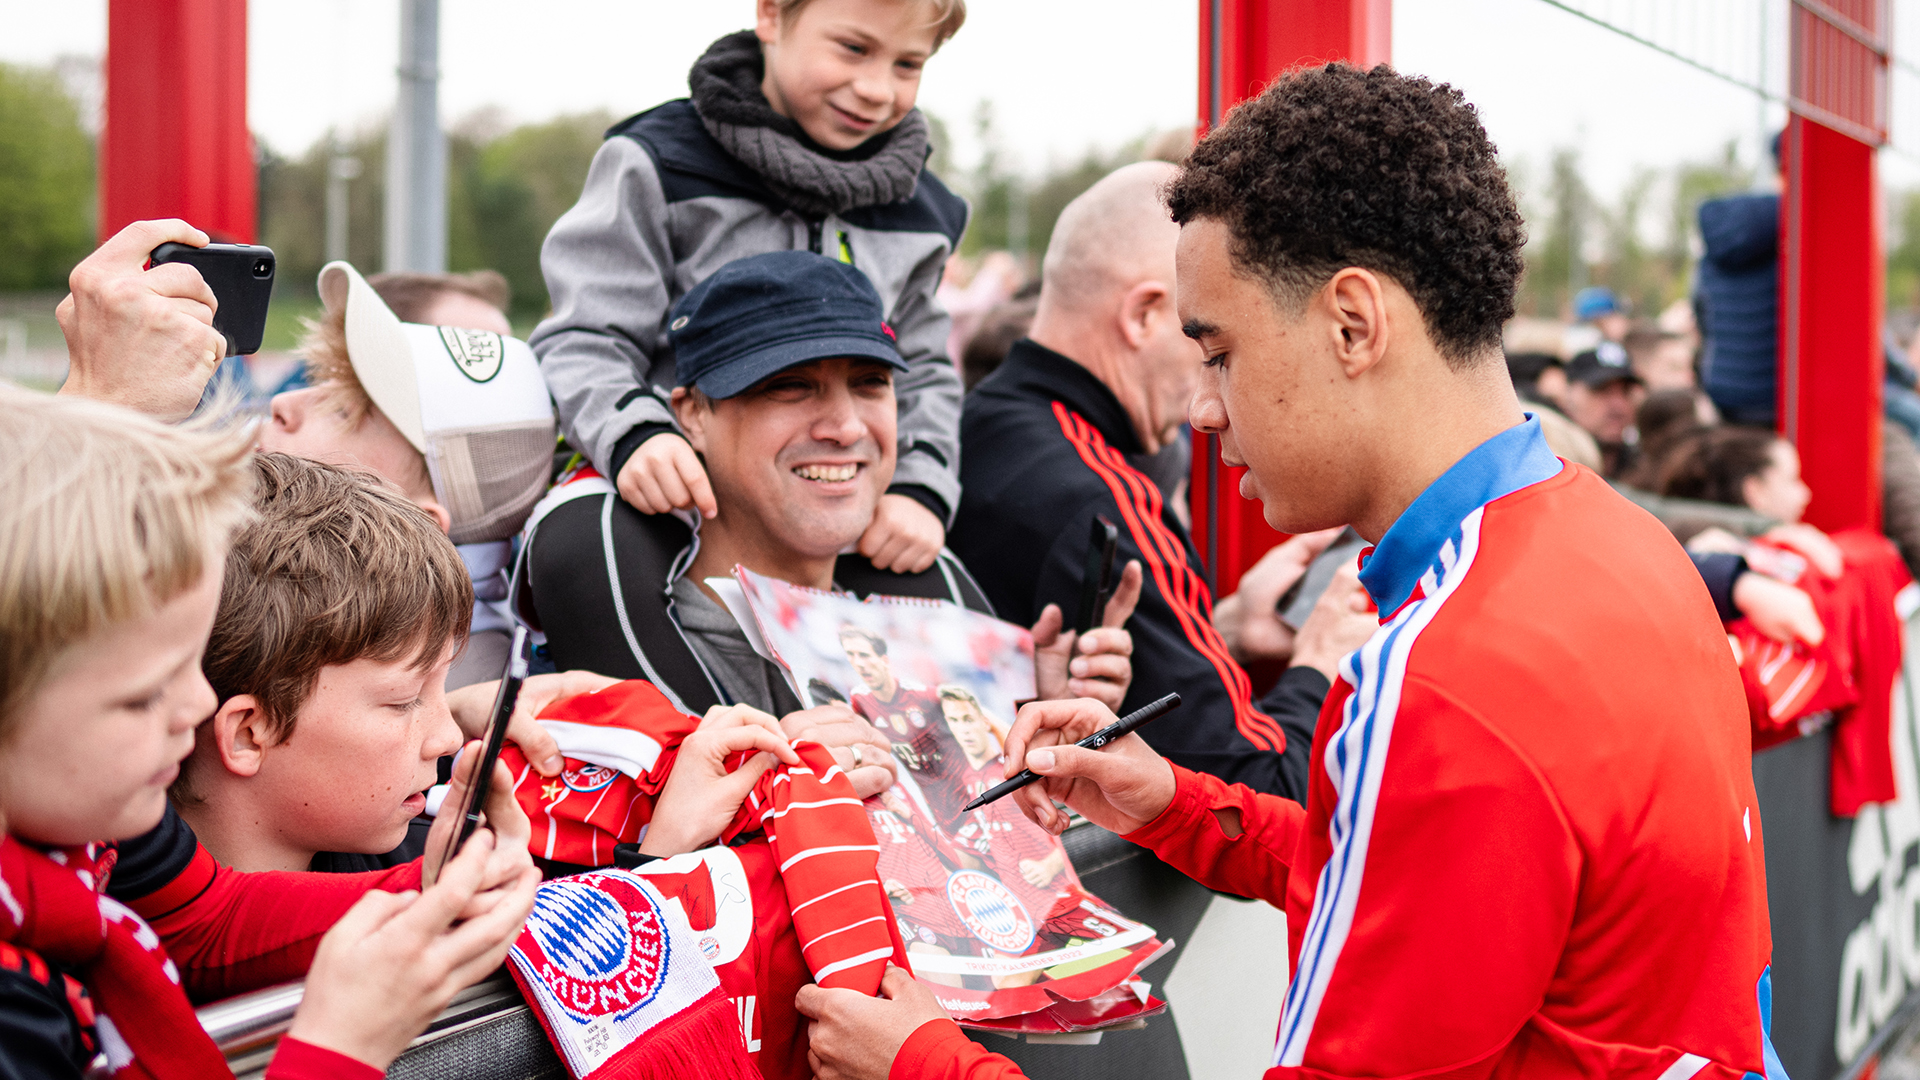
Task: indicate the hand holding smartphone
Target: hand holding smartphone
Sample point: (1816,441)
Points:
(1096,579)
(241,277)
(471,812)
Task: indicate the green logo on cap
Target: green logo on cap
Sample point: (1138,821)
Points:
(477,353)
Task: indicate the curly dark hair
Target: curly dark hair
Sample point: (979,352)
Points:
(1334,167)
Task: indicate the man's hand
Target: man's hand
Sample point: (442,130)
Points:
(1777,609)
(863,753)
(1119,787)
(1099,665)
(141,338)
(665,474)
(701,795)
(856,1037)
(1249,620)
(505,820)
(1811,543)
(394,960)
(472,707)
(1342,621)
(903,537)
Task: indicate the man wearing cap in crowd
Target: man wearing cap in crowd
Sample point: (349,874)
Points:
(1598,308)
(1602,393)
(456,418)
(785,369)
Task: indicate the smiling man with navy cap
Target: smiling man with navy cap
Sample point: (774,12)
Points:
(784,368)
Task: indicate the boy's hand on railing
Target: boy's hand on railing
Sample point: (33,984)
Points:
(395,960)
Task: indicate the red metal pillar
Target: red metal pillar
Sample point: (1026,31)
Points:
(175,140)
(1244,45)
(1832,267)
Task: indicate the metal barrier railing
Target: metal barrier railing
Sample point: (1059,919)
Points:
(248,1028)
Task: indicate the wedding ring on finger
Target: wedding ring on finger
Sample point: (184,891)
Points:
(856,755)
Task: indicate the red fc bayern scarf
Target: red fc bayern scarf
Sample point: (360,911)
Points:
(52,903)
(620,744)
(620,984)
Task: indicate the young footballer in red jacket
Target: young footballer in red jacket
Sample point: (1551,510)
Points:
(1530,845)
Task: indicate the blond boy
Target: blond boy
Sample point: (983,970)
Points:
(452,414)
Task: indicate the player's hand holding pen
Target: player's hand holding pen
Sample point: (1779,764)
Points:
(1120,787)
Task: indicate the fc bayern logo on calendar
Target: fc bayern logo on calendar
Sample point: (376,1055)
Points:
(991,911)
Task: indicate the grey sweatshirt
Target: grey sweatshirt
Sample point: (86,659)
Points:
(663,207)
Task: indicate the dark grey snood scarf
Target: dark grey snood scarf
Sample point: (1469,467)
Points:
(810,178)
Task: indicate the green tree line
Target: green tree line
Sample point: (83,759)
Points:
(1642,243)
(505,188)
(46,180)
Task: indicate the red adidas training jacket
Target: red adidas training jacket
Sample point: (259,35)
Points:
(1530,845)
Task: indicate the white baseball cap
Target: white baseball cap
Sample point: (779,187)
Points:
(471,401)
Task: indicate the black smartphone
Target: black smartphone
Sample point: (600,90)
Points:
(472,811)
(241,277)
(1096,580)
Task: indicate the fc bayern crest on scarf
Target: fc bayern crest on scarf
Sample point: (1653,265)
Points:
(601,948)
(618,982)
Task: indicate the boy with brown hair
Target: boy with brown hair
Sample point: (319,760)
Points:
(114,529)
(342,609)
(800,134)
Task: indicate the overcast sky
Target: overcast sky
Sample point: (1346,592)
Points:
(1059,78)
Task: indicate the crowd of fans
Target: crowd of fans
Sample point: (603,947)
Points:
(1707,462)
(305,614)
(316,604)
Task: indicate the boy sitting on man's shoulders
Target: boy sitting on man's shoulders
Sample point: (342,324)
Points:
(801,134)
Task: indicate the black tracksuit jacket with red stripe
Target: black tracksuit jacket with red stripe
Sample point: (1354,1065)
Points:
(1044,447)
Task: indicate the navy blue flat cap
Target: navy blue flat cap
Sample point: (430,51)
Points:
(766,313)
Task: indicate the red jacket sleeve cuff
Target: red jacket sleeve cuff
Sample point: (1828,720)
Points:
(938,1050)
(1192,796)
(296,1060)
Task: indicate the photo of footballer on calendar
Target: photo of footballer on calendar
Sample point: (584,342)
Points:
(995,919)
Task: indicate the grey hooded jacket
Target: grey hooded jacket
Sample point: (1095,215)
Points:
(663,207)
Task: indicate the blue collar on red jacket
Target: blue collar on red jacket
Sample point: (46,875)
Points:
(1515,458)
